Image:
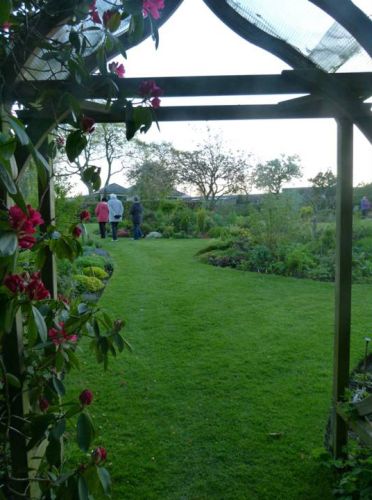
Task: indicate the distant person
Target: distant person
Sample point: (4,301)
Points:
(102,214)
(364,206)
(116,211)
(136,213)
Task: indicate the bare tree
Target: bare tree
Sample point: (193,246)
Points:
(272,175)
(152,169)
(106,145)
(214,170)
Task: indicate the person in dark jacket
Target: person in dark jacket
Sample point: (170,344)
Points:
(136,213)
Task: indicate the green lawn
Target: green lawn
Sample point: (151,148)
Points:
(227,391)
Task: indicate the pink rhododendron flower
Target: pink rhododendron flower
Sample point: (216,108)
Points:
(117,69)
(152,7)
(107,15)
(84,215)
(155,102)
(6,26)
(99,454)
(31,285)
(24,224)
(14,283)
(149,88)
(35,289)
(59,336)
(43,404)
(86,397)
(87,124)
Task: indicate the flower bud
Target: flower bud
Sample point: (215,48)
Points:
(86,397)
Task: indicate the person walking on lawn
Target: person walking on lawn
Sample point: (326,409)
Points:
(102,214)
(136,213)
(116,211)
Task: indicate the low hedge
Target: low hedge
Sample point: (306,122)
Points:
(96,272)
(88,283)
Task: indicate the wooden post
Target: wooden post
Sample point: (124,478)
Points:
(344,223)
(47,210)
(12,362)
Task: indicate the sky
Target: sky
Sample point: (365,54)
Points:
(195,42)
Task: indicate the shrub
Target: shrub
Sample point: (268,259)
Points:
(64,281)
(201,219)
(90,260)
(88,283)
(215,232)
(96,272)
(260,258)
(298,261)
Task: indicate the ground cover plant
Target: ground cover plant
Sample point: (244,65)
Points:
(228,388)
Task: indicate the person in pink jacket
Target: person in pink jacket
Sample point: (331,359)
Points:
(102,214)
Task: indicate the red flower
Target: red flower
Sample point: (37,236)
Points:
(99,454)
(86,397)
(35,289)
(76,232)
(6,26)
(152,7)
(148,88)
(117,69)
(87,124)
(14,283)
(43,404)
(107,15)
(155,102)
(94,13)
(84,216)
(24,224)
(59,336)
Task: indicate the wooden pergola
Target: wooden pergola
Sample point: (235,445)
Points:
(339,96)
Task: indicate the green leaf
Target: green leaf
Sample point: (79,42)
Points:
(154,32)
(13,380)
(75,40)
(85,432)
(105,479)
(136,28)
(114,22)
(119,342)
(42,166)
(58,386)
(5,10)
(7,146)
(83,489)
(19,129)
(6,180)
(139,118)
(40,324)
(8,244)
(59,429)
(19,200)
(39,426)
(75,143)
(133,6)
(53,452)
(92,176)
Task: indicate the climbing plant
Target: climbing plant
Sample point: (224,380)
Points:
(58,41)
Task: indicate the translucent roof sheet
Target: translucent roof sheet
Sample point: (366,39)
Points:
(306,28)
(37,68)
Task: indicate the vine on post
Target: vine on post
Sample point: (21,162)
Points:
(39,333)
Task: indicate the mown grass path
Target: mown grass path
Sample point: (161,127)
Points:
(227,391)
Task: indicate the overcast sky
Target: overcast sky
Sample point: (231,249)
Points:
(195,42)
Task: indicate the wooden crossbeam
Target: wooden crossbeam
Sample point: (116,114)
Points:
(185,86)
